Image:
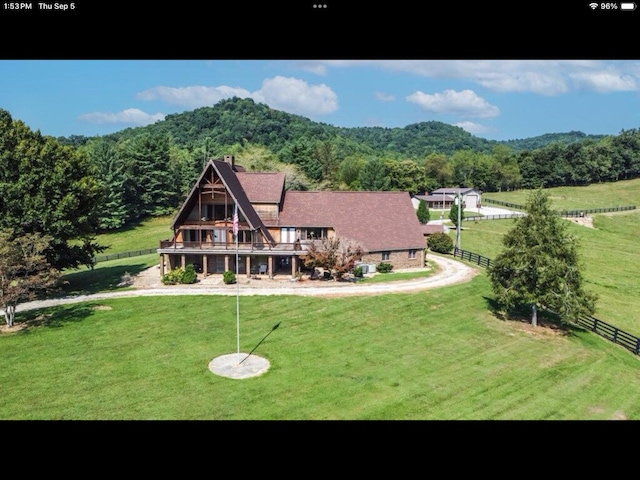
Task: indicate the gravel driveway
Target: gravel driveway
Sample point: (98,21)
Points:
(450,271)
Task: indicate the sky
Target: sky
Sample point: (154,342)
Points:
(492,99)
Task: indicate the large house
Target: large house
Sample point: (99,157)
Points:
(276,226)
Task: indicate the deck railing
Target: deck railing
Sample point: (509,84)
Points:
(219,246)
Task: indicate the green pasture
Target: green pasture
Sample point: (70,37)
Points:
(610,253)
(440,354)
(138,236)
(598,195)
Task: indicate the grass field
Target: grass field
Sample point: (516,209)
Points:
(143,235)
(436,355)
(597,195)
(441,354)
(610,251)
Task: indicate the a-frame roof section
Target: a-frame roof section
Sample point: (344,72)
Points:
(224,171)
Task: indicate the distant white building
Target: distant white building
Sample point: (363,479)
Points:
(471,198)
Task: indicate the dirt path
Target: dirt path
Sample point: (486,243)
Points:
(449,272)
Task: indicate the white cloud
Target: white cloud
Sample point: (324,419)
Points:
(130,116)
(464,103)
(384,97)
(542,77)
(316,68)
(281,93)
(192,97)
(297,96)
(475,128)
(605,81)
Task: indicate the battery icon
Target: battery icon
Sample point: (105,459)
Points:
(627,6)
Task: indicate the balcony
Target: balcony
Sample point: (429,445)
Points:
(225,248)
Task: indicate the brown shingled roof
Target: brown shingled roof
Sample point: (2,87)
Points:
(230,180)
(430,228)
(378,220)
(262,187)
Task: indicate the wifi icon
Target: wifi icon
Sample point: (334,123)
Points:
(593,5)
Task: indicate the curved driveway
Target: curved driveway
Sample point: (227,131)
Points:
(449,272)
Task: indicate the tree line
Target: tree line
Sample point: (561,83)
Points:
(72,188)
(417,158)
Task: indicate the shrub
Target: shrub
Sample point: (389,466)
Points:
(228,277)
(357,272)
(173,277)
(384,267)
(440,243)
(180,275)
(189,275)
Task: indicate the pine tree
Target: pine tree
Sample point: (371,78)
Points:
(539,266)
(423,212)
(453,213)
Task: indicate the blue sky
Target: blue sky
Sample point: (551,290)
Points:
(492,99)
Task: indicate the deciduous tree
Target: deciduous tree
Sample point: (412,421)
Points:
(338,255)
(50,189)
(374,176)
(24,270)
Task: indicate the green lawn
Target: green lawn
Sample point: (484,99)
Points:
(436,355)
(597,195)
(105,276)
(610,253)
(140,236)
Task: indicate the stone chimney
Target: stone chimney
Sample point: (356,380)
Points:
(230,160)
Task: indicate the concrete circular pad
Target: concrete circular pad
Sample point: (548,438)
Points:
(238,365)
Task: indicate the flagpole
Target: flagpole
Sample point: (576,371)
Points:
(235,232)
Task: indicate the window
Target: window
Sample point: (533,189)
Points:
(385,256)
(287,235)
(412,254)
(220,212)
(314,233)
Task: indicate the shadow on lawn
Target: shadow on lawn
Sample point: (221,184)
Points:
(100,279)
(523,315)
(53,317)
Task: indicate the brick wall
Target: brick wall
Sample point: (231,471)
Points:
(398,259)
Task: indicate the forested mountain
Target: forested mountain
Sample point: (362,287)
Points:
(549,138)
(148,170)
(239,120)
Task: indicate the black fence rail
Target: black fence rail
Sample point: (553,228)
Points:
(595,325)
(582,213)
(565,213)
(620,337)
(472,257)
(504,204)
(134,253)
(500,216)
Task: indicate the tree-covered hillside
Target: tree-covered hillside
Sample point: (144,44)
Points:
(147,171)
(239,121)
